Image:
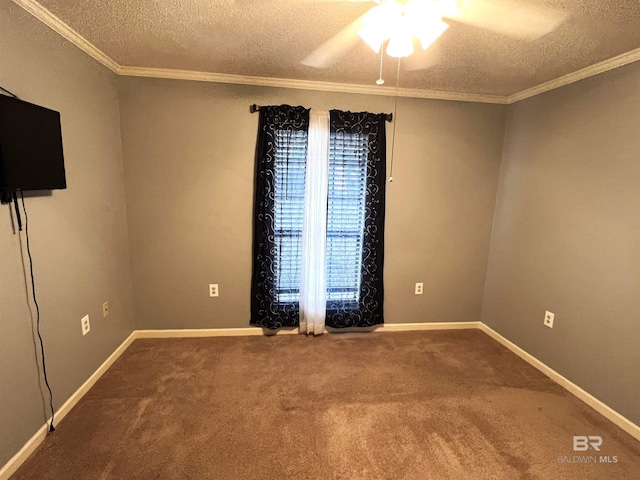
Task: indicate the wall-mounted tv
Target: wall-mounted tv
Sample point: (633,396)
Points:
(31,156)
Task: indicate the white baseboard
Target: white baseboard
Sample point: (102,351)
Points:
(600,407)
(24,453)
(19,458)
(408,327)
(253,331)
(84,388)
(212,332)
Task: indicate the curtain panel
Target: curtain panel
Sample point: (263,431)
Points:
(280,131)
(368,310)
(313,271)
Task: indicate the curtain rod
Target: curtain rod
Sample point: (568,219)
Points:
(255,108)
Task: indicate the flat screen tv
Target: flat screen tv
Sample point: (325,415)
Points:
(31,156)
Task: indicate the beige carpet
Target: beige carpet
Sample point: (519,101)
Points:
(405,405)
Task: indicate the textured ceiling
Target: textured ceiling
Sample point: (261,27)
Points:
(269,38)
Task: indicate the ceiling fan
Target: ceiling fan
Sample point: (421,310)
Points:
(396,23)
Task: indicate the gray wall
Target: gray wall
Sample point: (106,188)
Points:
(78,236)
(189,163)
(566,235)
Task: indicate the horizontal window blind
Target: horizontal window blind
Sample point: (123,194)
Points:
(289,171)
(345,216)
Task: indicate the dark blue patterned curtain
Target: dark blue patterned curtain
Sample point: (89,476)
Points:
(278,208)
(355,218)
(357,179)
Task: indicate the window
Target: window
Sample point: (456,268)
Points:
(355,173)
(345,216)
(289,172)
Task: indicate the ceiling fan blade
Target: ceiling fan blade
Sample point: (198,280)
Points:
(327,53)
(510,18)
(423,59)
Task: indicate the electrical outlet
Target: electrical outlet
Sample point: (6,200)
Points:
(419,287)
(213,289)
(548,319)
(86,326)
(105,309)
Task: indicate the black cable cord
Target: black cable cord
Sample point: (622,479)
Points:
(35,301)
(17,209)
(5,90)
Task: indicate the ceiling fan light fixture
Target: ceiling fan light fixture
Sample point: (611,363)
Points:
(399,22)
(400,45)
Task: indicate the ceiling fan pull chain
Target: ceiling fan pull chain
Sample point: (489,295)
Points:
(380,81)
(395,124)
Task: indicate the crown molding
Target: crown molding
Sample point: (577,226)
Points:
(306,84)
(53,22)
(57,25)
(590,71)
